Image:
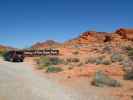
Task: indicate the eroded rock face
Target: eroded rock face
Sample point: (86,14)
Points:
(90,37)
(125,33)
(96,36)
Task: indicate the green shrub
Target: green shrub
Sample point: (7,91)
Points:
(116,57)
(46,61)
(52,69)
(55,60)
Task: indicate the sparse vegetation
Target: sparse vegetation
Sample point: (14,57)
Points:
(55,60)
(43,62)
(98,60)
(53,69)
(46,61)
(127,63)
(129,75)
(72,60)
(116,57)
(101,80)
(130,53)
(106,62)
(90,60)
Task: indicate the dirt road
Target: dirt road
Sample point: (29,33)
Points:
(19,82)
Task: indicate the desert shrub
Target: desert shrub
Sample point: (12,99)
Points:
(128,48)
(46,61)
(116,57)
(53,69)
(100,80)
(73,60)
(98,60)
(127,66)
(106,62)
(2,53)
(129,75)
(130,53)
(90,60)
(103,61)
(55,60)
(43,62)
(127,63)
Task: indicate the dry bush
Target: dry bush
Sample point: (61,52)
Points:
(46,61)
(53,69)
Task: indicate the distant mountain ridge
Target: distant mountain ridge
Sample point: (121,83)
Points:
(46,44)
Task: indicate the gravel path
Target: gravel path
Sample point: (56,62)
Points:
(19,82)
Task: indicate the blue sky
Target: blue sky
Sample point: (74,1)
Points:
(24,22)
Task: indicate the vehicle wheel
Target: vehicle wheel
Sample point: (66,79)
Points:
(21,60)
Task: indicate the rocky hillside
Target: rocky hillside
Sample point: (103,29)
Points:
(101,37)
(90,37)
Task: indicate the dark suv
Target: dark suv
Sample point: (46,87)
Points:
(14,56)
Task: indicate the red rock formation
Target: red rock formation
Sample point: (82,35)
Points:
(96,36)
(90,37)
(125,33)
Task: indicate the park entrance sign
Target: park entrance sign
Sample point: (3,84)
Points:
(45,52)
